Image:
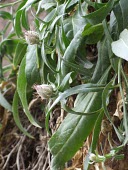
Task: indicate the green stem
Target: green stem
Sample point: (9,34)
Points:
(9,4)
(124,106)
(1,69)
(107,32)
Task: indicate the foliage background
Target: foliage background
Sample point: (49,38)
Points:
(74,55)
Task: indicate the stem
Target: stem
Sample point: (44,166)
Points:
(10,4)
(1,69)
(124,106)
(6,27)
(103,166)
(107,32)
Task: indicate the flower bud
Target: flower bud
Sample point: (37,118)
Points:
(96,158)
(92,157)
(32,37)
(45,91)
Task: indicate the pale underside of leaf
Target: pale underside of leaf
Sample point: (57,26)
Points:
(120,47)
(4,103)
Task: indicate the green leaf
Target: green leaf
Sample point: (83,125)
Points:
(114,32)
(68,28)
(125,112)
(78,67)
(31,68)
(121,13)
(78,22)
(84,88)
(71,51)
(5,15)
(72,111)
(96,132)
(95,4)
(45,58)
(9,45)
(103,60)
(65,82)
(47,5)
(55,22)
(29,3)
(73,131)
(99,15)
(18,20)
(19,53)
(24,19)
(105,98)
(64,37)
(3,5)
(21,89)
(72,3)
(18,23)
(93,33)
(50,16)
(4,102)
(16,114)
(118,14)
(120,47)
(113,27)
(95,138)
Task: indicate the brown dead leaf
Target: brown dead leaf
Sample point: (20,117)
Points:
(106,127)
(98,166)
(119,110)
(108,168)
(72,168)
(4,121)
(77,161)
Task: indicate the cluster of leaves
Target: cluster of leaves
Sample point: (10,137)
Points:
(66,33)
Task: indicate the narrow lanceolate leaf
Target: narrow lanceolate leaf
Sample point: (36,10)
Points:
(29,3)
(95,137)
(71,51)
(93,33)
(78,22)
(21,88)
(17,20)
(45,58)
(120,47)
(84,88)
(18,23)
(5,15)
(19,53)
(65,82)
(47,5)
(105,97)
(31,68)
(103,62)
(121,13)
(10,45)
(96,131)
(16,114)
(4,103)
(96,5)
(25,22)
(99,15)
(74,130)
